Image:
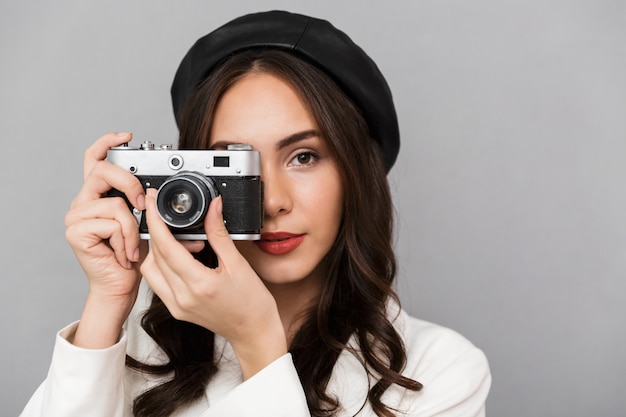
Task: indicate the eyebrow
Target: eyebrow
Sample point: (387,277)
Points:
(295,138)
(281,144)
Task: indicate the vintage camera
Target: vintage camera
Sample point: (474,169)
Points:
(187,181)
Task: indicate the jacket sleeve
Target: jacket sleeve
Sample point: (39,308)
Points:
(455,376)
(81,382)
(461,388)
(274,391)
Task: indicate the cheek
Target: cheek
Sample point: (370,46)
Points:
(323,202)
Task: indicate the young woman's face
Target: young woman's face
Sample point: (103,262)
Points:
(303,192)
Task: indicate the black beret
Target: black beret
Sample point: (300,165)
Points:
(316,41)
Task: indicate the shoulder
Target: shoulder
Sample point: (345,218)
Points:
(429,342)
(453,371)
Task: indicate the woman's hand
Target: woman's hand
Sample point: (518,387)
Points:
(230,300)
(104,236)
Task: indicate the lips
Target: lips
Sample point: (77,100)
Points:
(279,243)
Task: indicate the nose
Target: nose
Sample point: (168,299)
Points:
(277,195)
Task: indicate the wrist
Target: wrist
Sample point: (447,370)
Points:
(101,322)
(260,349)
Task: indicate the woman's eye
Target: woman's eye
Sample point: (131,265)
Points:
(304,158)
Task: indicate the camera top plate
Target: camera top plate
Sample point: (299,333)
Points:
(150,159)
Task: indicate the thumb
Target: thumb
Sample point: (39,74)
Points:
(217,234)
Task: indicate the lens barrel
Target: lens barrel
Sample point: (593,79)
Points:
(183,199)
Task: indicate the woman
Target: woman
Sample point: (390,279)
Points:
(303,321)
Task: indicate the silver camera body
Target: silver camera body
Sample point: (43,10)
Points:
(187,181)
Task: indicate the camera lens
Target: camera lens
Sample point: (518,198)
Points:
(181,202)
(183,199)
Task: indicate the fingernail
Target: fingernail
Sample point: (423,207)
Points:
(218,206)
(122,134)
(150,193)
(141,201)
(136,255)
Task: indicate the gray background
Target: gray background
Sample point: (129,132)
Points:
(510,186)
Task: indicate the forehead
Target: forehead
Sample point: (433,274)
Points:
(259,107)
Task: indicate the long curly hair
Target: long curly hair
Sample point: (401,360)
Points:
(360,267)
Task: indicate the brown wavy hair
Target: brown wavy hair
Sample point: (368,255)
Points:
(360,267)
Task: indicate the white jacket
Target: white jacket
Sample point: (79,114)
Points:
(96,383)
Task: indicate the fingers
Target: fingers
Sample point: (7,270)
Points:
(193,246)
(105,176)
(153,275)
(218,236)
(89,235)
(98,151)
(116,211)
(164,244)
(170,249)
(169,267)
(101,176)
(106,222)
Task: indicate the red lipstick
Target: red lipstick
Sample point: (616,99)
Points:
(279,243)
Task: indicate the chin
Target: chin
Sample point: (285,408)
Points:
(277,270)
